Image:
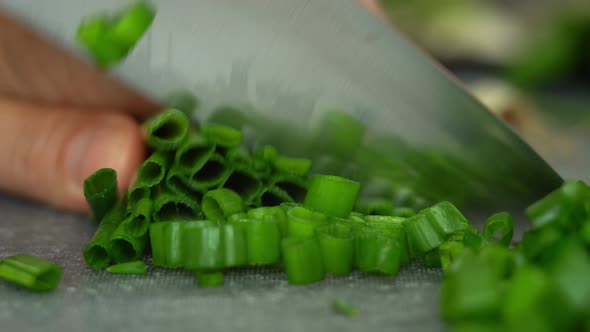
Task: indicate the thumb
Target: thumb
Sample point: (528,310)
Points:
(47,153)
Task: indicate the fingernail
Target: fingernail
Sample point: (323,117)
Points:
(94,147)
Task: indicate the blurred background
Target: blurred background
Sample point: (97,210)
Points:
(527,60)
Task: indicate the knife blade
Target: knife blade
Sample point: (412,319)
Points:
(324,79)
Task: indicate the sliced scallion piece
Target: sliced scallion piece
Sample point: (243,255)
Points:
(153,170)
(138,192)
(294,166)
(124,246)
(303,265)
(344,308)
(499,228)
(135,267)
(223,136)
(166,243)
(179,184)
(235,245)
(100,190)
(170,207)
(202,246)
(97,252)
(394,227)
(212,174)
(132,23)
(263,239)
(139,218)
(221,203)
(271,213)
(30,272)
(336,247)
(302,222)
(246,182)
(193,154)
(332,195)
(377,251)
(168,130)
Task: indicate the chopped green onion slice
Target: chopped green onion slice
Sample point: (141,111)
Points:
(235,245)
(213,173)
(286,206)
(221,203)
(337,247)
(207,279)
(202,246)
(539,245)
(422,237)
(222,136)
(566,206)
(500,228)
(166,243)
(302,222)
(193,154)
(445,218)
(333,195)
(236,217)
(303,265)
(179,184)
(377,251)
(570,269)
(124,246)
(449,251)
(430,259)
(271,213)
(100,190)
(30,272)
(152,170)
(95,36)
(140,218)
(170,207)
(138,192)
(132,24)
(471,291)
(263,238)
(344,308)
(168,130)
(294,166)
(394,227)
(135,267)
(526,300)
(246,182)
(97,253)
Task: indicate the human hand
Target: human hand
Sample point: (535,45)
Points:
(61,120)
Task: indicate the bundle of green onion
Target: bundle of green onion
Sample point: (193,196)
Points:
(205,202)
